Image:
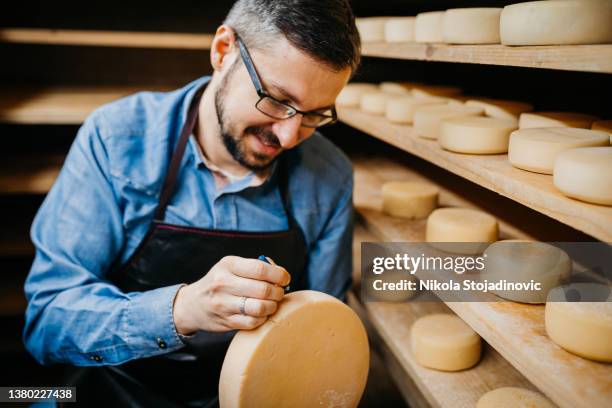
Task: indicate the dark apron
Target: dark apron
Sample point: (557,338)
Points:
(171,254)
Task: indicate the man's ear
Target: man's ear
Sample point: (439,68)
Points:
(222,45)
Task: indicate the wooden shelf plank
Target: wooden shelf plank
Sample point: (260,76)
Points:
(133,39)
(493,172)
(29,175)
(588,58)
(515,330)
(58,105)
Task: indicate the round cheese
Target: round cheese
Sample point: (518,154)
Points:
(399,29)
(461,230)
(501,109)
(476,25)
(427,119)
(536,149)
(396,88)
(350,96)
(518,261)
(513,397)
(401,109)
(434,91)
(557,22)
(428,27)
(585,174)
(604,125)
(312,352)
(409,199)
(374,102)
(555,119)
(371,29)
(444,342)
(578,317)
(476,135)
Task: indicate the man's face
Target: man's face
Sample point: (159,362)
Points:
(253,139)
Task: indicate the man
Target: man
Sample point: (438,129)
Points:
(147,244)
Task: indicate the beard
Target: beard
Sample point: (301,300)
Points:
(236,144)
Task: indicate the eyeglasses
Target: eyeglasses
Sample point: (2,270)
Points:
(272,107)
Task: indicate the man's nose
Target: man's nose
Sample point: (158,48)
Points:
(288,131)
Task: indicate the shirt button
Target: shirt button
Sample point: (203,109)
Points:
(162,344)
(96,358)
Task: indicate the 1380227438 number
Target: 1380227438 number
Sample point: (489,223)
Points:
(37,394)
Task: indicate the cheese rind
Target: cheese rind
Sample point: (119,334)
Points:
(396,88)
(400,29)
(585,174)
(435,91)
(371,29)
(501,109)
(350,96)
(312,352)
(401,109)
(409,199)
(428,27)
(374,102)
(444,342)
(427,119)
(581,327)
(557,22)
(476,135)
(604,125)
(530,120)
(513,397)
(475,25)
(536,149)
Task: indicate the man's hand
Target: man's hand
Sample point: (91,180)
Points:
(213,303)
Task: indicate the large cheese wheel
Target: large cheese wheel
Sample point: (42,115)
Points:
(518,261)
(401,109)
(605,125)
(461,230)
(530,120)
(350,96)
(400,29)
(396,88)
(586,174)
(581,327)
(513,397)
(557,22)
(444,342)
(536,149)
(427,119)
(501,109)
(312,352)
(476,135)
(476,25)
(375,102)
(435,91)
(371,29)
(428,27)
(409,199)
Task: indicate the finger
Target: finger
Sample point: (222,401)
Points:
(252,288)
(255,307)
(260,270)
(244,322)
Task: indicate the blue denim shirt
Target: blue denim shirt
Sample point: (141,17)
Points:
(100,207)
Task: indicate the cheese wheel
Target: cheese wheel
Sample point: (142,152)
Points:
(428,27)
(399,29)
(371,29)
(409,199)
(604,125)
(435,91)
(519,261)
(513,397)
(401,109)
(476,135)
(312,352)
(350,96)
(427,119)
(374,102)
(557,22)
(461,230)
(585,174)
(476,25)
(536,149)
(396,88)
(581,327)
(530,120)
(444,342)
(501,109)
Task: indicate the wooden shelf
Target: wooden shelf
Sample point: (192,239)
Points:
(493,172)
(132,39)
(588,58)
(29,175)
(515,330)
(58,105)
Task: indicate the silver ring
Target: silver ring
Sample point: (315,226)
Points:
(242,304)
